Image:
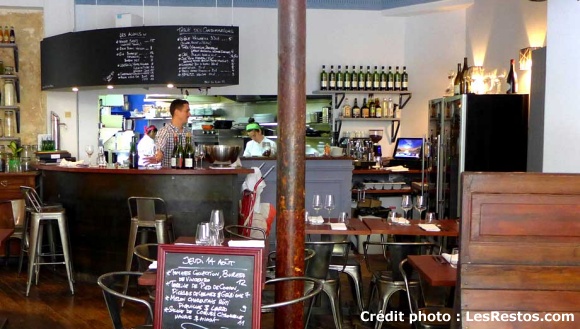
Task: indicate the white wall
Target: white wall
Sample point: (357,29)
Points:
(562,114)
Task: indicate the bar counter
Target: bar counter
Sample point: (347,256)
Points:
(98,216)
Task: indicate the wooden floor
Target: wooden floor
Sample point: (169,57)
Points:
(51,305)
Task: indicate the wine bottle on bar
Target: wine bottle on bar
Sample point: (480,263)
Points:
(323,79)
(180,155)
(347,79)
(512,79)
(397,79)
(339,79)
(368,79)
(383,79)
(457,81)
(390,79)
(332,79)
(189,152)
(361,79)
(133,156)
(465,77)
(405,79)
(174,153)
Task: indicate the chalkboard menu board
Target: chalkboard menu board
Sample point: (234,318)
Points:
(208,287)
(187,56)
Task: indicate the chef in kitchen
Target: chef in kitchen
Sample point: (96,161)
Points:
(260,145)
(146,146)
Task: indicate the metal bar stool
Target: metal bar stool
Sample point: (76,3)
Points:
(38,216)
(147,213)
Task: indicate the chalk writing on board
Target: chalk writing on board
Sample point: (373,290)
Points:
(211,291)
(136,56)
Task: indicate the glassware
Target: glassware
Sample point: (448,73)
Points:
(344,218)
(101,160)
(9,93)
(216,219)
(420,204)
(329,204)
(406,204)
(199,155)
(316,203)
(430,217)
(202,236)
(9,124)
(90,150)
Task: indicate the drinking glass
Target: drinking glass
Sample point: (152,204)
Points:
(430,217)
(202,236)
(90,150)
(199,155)
(420,204)
(216,219)
(344,218)
(329,204)
(406,204)
(316,203)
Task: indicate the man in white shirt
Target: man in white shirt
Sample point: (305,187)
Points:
(146,146)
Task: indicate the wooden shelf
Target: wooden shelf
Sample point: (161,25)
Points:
(386,192)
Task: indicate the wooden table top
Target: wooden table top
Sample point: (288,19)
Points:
(355,227)
(435,272)
(5,233)
(448,227)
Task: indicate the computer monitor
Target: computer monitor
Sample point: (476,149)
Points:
(408,148)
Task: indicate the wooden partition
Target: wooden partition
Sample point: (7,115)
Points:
(520,249)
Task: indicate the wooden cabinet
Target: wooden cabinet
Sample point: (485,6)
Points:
(10,184)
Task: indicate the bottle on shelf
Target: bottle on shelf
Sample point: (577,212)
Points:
(372,107)
(391,108)
(457,81)
(189,152)
(339,79)
(378,109)
(9,93)
(365,109)
(12,35)
(323,79)
(6,35)
(390,79)
(354,79)
(174,153)
(361,79)
(405,79)
(346,109)
(383,79)
(368,79)
(347,79)
(180,157)
(355,110)
(397,79)
(376,79)
(512,79)
(332,79)
(465,77)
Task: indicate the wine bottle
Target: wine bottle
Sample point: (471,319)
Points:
(355,110)
(174,153)
(189,152)
(332,78)
(347,79)
(465,77)
(12,35)
(390,79)
(346,109)
(405,79)
(323,79)
(133,156)
(376,79)
(365,109)
(368,79)
(457,81)
(383,79)
(397,79)
(339,79)
(354,79)
(180,158)
(512,79)
(372,108)
(378,109)
(361,79)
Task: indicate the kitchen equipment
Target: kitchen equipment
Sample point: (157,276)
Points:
(376,135)
(223,124)
(221,155)
(206,127)
(55,129)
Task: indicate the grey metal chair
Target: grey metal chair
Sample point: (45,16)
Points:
(388,280)
(312,288)
(40,215)
(271,264)
(319,268)
(113,286)
(407,272)
(352,269)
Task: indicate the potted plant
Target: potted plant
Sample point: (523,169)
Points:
(13,160)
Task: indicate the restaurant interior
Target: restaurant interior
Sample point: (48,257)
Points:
(438,208)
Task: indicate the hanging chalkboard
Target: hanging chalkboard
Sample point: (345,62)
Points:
(188,56)
(208,287)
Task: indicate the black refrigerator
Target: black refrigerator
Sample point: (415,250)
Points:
(473,133)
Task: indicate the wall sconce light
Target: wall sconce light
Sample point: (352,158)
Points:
(526,58)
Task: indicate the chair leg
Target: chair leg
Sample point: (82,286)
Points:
(66,252)
(332,290)
(38,248)
(161,231)
(372,291)
(32,250)
(355,279)
(384,301)
(25,243)
(130,249)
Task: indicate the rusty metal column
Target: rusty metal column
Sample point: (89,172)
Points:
(290,162)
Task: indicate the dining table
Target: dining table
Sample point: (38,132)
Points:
(447,227)
(434,269)
(354,227)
